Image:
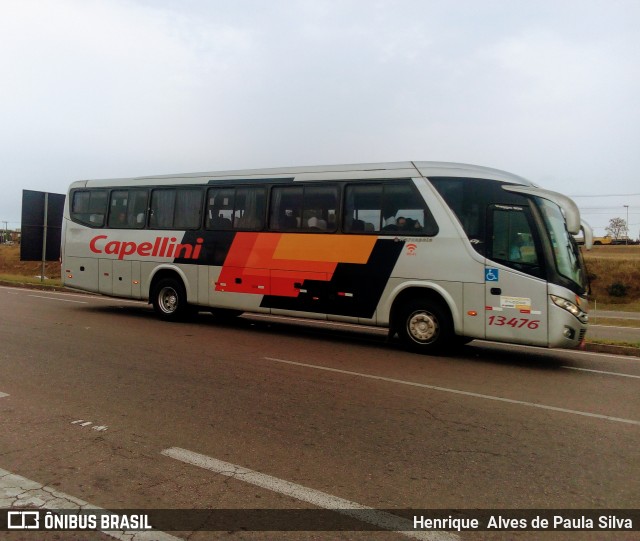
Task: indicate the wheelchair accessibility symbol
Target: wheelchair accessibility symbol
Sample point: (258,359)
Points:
(491,275)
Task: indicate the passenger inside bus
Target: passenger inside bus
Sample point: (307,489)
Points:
(317,224)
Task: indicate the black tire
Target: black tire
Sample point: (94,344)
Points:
(169,300)
(425,326)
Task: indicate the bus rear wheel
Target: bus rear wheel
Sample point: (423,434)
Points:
(170,299)
(424,326)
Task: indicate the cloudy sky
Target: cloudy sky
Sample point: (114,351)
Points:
(547,89)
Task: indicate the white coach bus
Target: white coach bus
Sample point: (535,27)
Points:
(439,253)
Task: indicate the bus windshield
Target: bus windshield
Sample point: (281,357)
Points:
(566,253)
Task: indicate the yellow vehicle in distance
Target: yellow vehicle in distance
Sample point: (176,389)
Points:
(602,240)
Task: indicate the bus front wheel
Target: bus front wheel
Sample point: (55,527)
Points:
(425,326)
(170,299)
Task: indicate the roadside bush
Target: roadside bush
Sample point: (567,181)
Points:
(617,289)
(614,274)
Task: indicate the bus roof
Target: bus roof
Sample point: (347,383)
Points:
(322,172)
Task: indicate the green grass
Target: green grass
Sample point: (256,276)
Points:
(633,306)
(609,265)
(31,280)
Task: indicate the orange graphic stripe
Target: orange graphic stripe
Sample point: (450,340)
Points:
(329,248)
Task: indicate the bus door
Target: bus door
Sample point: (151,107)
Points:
(515,286)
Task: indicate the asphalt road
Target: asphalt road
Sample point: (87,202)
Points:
(102,404)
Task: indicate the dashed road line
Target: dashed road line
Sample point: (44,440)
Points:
(381,519)
(17,492)
(55,299)
(83,423)
(460,392)
(625,327)
(2,395)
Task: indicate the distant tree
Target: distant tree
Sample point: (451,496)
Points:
(617,228)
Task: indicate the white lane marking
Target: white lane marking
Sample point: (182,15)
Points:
(626,327)
(2,395)
(17,492)
(463,393)
(383,520)
(602,372)
(54,299)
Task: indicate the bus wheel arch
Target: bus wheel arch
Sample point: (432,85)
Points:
(422,319)
(168,295)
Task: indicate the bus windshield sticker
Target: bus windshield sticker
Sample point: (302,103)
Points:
(517,303)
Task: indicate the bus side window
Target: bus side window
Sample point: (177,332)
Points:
(118,209)
(173,208)
(128,209)
(188,209)
(319,208)
(390,206)
(404,210)
(220,208)
(362,211)
(137,210)
(248,212)
(236,208)
(286,208)
(163,203)
(89,207)
(512,241)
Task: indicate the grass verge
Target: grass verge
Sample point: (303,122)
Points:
(36,281)
(622,343)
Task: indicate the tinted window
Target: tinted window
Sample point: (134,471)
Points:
(176,208)
(469,199)
(513,241)
(512,238)
(236,208)
(387,207)
(89,207)
(304,208)
(128,208)
(188,211)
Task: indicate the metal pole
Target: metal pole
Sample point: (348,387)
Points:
(44,236)
(627,236)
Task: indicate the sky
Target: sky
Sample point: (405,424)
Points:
(546,89)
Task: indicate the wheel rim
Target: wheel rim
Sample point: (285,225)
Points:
(423,327)
(168,300)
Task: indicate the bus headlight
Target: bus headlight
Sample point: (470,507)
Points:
(570,307)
